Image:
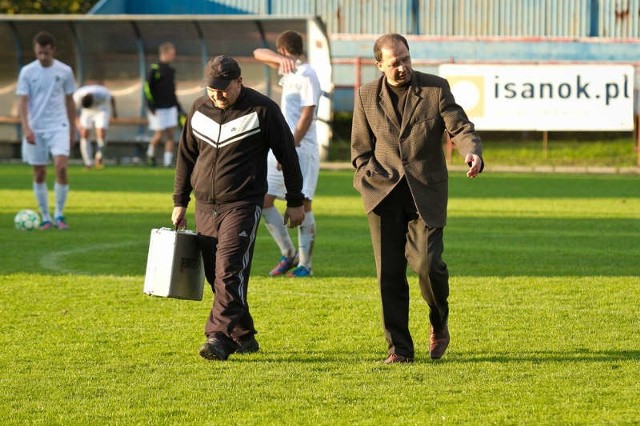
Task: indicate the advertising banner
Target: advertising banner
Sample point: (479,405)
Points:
(544,97)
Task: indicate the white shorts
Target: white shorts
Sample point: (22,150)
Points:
(56,142)
(95,117)
(164,118)
(310,168)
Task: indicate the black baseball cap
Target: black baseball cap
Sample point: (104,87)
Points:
(220,71)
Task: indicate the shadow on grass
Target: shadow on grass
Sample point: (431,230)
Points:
(356,357)
(576,355)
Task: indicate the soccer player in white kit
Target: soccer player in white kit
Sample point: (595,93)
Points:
(45,89)
(96,106)
(300,96)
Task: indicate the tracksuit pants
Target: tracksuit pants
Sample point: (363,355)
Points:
(399,236)
(227,239)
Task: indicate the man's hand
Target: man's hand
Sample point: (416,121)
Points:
(29,135)
(287,65)
(178,217)
(475,165)
(293,216)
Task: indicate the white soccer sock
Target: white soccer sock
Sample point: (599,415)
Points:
(168,158)
(275,224)
(85,150)
(42,198)
(151,151)
(306,237)
(100,143)
(61,198)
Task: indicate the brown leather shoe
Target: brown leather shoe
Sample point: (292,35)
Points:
(438,341)
(396,359)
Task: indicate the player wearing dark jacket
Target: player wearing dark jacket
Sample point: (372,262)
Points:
(222,159)
(160,86)
(162,104)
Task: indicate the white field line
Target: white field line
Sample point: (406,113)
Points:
(55,261)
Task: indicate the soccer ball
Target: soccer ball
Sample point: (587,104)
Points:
(26,220)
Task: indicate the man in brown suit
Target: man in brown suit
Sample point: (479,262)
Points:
(396,148)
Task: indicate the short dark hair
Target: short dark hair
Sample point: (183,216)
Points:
(87,100)
(44,38)
(387,40)
(291,41)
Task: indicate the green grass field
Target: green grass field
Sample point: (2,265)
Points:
(544,313)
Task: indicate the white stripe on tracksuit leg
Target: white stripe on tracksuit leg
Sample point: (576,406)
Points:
(247,255)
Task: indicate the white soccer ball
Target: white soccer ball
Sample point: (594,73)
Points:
(26,220)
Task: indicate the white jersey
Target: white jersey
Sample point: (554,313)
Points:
(46,88)
(101,95)
(301,89)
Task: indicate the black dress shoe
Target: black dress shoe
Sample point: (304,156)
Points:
(397,359)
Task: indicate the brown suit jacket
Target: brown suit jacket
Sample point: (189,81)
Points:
(383,150)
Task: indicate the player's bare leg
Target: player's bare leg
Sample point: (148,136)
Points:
(168,148)
(151,150)
(85,148)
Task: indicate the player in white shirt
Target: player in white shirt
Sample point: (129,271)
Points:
(45,89)
(300,96)
(96,106)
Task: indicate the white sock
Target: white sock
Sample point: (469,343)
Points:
(275,224)
(42,198)
(168,158)
(85,150)
(151,151)
(61,198)
(100,147)
(306,237)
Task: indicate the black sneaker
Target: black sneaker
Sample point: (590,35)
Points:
(248,345)
(218,348)
(151,161)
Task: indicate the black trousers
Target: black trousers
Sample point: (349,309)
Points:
(399,236)
(227,240)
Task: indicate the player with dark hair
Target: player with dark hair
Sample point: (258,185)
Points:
(299,102)
(47,112)
(96,106)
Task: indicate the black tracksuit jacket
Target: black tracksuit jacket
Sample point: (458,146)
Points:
(160,87)
(222,155)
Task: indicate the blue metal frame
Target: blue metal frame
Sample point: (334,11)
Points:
(267,70)
(142,70)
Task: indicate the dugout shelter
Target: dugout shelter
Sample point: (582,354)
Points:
(117,50)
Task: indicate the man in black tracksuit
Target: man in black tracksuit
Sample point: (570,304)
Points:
(222,159)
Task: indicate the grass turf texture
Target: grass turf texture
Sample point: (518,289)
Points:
(545,283)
